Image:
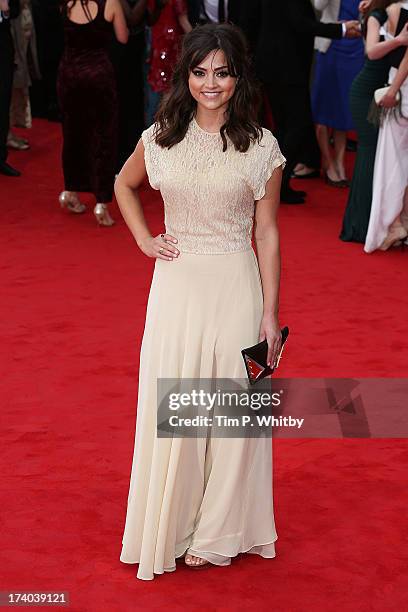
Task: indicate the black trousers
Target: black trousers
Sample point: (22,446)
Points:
(50,42)
(291,109)
(6,83)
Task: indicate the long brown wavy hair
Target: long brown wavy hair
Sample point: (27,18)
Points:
(178,106)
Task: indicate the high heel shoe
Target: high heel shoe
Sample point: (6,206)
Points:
(309,175)
(341,184)
(70,201)
(102,215)
(396,234)
(19,144)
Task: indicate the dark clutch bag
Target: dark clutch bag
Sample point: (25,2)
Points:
(255,359)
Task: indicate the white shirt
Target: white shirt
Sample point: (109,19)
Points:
(4,10)
(330,14)
(211,8)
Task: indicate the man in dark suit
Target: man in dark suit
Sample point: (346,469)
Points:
(214,11)
(9,9)
(282,35)
(50,44)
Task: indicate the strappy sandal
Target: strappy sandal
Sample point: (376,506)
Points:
(71,202)
(197,565)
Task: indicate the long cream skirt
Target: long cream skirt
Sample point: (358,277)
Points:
(211,497)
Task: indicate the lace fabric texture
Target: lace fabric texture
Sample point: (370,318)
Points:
(209,195)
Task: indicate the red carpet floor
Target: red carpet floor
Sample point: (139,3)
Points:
(73,303)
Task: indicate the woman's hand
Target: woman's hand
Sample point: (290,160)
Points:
(159,246)
(270,329)
(364,6)
(389,100)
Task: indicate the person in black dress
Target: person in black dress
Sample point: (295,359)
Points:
(86,89)
(282,37)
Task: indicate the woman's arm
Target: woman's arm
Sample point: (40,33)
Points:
(390,98)
(180,10)
(401,75)
(184,23)
(135,14)
(376,49)
(114,13)
(129,180)
(266,236)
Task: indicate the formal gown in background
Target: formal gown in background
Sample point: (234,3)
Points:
(166,36)
(209,496)
(86,88)
(373,75)
(335,71)
(389,206)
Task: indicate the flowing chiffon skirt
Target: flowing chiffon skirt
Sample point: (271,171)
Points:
(210,496)
(390,174)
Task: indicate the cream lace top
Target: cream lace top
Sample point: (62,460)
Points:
(208,194)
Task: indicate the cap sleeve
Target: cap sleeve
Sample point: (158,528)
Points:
(265,157)
(151,156)
(380,15)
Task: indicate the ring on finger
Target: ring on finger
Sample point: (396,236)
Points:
(161,251)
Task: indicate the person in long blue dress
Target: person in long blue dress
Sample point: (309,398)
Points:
(335,71)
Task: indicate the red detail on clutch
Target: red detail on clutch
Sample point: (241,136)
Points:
(254,368)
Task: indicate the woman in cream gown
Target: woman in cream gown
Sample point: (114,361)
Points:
(206,498)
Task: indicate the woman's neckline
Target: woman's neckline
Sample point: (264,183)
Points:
(204,131)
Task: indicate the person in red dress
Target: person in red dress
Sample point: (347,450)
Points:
(169,21)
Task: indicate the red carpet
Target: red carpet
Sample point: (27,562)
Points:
(73,302)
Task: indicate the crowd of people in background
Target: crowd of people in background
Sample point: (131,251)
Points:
(101,67)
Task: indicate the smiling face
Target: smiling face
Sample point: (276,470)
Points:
(210,83)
